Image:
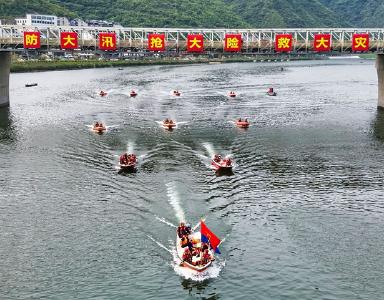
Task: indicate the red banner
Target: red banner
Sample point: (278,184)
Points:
(283,42)
(32,40)
(107,41)
(360,42)
(195,43)
(69,40)
(232,43)
(322,42)
(156,42)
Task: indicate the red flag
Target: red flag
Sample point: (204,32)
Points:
(208,235)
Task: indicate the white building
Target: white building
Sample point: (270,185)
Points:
(62,21)
(38,20)
(21,22)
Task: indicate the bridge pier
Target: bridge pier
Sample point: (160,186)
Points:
(5,65)
(380,77)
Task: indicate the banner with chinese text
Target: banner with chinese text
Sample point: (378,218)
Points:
(232,43)
(156,42)
(69,40)
(283,42)
(32,40)
(107,41)
(195,43)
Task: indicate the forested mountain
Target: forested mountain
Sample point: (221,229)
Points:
(361,13)
(210,13)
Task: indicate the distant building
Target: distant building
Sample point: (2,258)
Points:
(100,23)
(77,22)
(62,21)
(37,20)
(21,21)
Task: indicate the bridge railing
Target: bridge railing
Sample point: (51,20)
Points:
(254,40)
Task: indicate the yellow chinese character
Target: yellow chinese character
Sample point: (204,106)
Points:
(361,42)
(69,40)
(283,42)
(233,43)
(107,42)
(195,43)
(322,42)
(156,42)
(31,39)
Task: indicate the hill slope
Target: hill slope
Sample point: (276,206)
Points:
(361,13)
(213,13)
(283,13)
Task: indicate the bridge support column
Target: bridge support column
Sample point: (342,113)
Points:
(380,77)
(5,65)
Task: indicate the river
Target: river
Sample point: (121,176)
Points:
(302,214)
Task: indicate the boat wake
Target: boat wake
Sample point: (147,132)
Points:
(209,149)
(163,220)
(174,200)
(212,272)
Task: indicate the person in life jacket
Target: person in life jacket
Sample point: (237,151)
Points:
(184,242)
(124,159)
(239,120)
(228,161)
(97,124)
(166,121)
(217,158)
(206,257)
(181,230)
(187,256)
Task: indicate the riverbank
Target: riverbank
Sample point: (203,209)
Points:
(32,66)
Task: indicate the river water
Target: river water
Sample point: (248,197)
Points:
(302,215)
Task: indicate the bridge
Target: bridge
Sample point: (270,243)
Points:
(253,41)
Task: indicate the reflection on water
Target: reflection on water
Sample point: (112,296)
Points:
(4,117)
(378,125)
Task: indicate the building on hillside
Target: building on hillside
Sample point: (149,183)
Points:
(62,21)
(37,20)
(21,21)
(78,22)
(100,23)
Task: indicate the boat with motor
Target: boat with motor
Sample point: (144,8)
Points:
(99,127)
(133,93)
(271,92)
(232,94)
(242,123)
(30,84)
(195,248)
(176,93)
(102,93)
(220,163)
(169,124)
(128,161)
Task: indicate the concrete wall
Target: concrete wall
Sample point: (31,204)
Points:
(380,77)
(5,64)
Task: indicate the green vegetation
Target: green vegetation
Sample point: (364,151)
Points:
(213,13)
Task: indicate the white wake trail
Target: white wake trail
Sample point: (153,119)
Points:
(174,200)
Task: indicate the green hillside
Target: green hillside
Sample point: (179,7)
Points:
(155,13)
(283,13)
(213,13)
(18,8)
(361,13)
